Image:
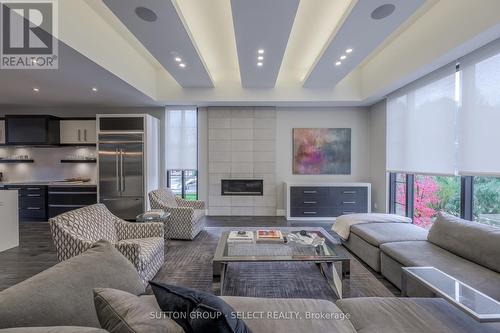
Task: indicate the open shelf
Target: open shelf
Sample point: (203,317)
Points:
(16,161)
(79,161)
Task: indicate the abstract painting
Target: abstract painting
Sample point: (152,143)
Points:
(322,151)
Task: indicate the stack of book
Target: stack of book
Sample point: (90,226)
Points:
(240,237)
(269,236)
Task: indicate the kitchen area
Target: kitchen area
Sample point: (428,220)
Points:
(53,165)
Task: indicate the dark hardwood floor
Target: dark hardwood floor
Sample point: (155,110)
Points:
(36,251)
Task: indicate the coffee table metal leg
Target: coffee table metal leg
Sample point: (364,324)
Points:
(404,284)
(333,276)
(223,270)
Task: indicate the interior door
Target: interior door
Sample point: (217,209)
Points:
(109,171)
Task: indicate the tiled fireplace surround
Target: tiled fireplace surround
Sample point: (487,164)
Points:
(241,145)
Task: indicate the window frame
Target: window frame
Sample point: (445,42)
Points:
(466,195)
(183,178)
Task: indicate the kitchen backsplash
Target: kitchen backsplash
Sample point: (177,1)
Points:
(47,163)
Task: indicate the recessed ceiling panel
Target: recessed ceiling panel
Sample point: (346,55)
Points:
(366,26)
(262,28)
(157,25)
(77,81)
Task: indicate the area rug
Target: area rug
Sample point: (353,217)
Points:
(189,263)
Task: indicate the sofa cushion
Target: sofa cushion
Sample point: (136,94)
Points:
(62,295)
(412,315)
(380,233)
(263,315)
(122,312)
(474,241)
(197,311)
(418,253)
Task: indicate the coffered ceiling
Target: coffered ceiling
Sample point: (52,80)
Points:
(267,52)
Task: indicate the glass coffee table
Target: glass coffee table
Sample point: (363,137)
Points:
(479,306)
(330,257)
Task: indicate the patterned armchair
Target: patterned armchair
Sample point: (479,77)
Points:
(142,243)
(186,219)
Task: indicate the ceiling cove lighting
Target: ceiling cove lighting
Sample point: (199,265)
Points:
(348,51)
(338,63)
(36,90)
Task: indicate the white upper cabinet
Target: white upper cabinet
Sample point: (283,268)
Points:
(2,132)
(78,132)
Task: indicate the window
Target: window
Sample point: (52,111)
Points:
(182,151)
(434,194)
(487,200)
(183,183)
(399,200)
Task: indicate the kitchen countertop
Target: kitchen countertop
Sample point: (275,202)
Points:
(49,183)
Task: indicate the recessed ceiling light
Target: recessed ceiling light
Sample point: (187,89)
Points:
(36,89)
(383,11)
(146,14)
(94,89)
(183,65)
(260,58)
(338,63)
(260,51)
(177,59)
(342,57)
(348,51)
(259,64)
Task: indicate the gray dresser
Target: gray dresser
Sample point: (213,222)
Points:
(326,201)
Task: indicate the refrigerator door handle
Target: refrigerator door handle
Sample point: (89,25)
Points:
(117,171)
(122,176)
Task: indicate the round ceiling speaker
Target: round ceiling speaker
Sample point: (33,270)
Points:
(146,14)
(383,11)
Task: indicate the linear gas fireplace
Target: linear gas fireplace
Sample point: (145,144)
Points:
(242,187)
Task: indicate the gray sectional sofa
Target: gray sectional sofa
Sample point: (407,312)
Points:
(467,251)
(61,298)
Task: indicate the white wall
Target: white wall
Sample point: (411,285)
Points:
(378,173)
(358,119)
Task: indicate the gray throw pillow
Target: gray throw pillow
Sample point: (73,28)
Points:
(121,312)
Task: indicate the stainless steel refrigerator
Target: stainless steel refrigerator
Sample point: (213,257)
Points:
(124,180)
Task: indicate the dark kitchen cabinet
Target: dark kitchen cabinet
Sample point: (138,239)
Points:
(32,202)
(32,130)
(62,199)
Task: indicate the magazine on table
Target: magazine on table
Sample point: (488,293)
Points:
(240,237)
(269,236)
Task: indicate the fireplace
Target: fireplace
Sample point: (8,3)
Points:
(242,187)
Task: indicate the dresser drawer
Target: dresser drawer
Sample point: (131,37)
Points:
(310,201)
(300,191)
(312,212)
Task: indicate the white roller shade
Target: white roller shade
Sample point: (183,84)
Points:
(480,113)
(181,139)
(421,125)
